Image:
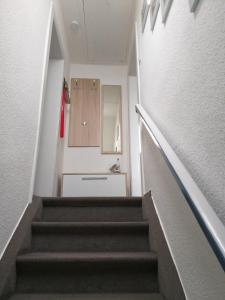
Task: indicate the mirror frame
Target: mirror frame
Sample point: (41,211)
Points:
(102,118)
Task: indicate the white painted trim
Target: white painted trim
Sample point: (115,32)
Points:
(208,215)
(165,8)
(154,9)
(62,44)
(42,95)
(169,246)
(138,62)
(141,159)
(17,224)
(193,4)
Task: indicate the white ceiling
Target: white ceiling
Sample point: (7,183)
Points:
(104,30)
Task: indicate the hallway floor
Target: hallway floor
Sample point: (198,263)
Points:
(87,297)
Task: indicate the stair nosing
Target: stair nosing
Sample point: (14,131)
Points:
(89,224)
(84,295)
(62,257)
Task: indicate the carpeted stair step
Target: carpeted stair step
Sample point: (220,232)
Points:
(92,209)
(114,272)
(90,236)
(87,297)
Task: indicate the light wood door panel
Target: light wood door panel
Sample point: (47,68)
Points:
(93,90)
(84,128)
(78,134)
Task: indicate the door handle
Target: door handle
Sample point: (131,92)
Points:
(84,123)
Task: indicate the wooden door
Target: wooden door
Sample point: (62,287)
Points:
(84,128)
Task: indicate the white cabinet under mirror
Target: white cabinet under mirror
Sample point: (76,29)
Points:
(111,119)
(94,185)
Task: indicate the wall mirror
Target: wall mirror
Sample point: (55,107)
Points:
(111,119)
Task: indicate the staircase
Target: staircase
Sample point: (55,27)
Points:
(88,249)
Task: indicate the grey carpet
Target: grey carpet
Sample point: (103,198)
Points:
(92,209)
(108,272)
(89,248)
(90,236)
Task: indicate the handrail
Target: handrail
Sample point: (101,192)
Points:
(211,225)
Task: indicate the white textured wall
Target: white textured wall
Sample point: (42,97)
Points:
(24,26)
(48,170)
(90,160)
(200,272)
(182,88)
(24,42)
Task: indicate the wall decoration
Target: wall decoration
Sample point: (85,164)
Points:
(154,8)
(165,8)
(193,4)
(144,13)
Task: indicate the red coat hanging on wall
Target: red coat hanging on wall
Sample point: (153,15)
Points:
(65,100)
(62,113)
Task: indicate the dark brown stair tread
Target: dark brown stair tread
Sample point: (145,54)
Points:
(93,201)
(73,227)
(90,237)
